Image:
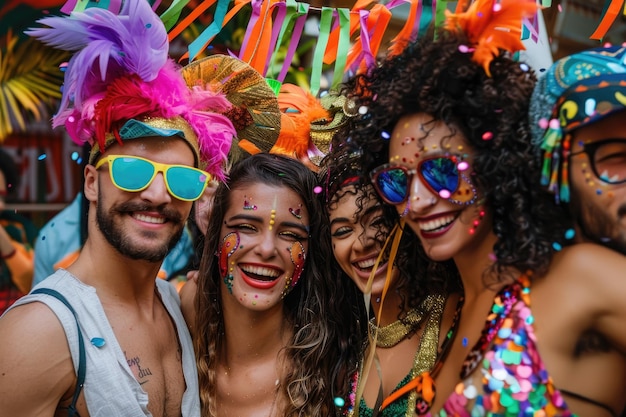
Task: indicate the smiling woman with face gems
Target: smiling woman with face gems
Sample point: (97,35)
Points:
(405,291)
(445,137)
(267,319)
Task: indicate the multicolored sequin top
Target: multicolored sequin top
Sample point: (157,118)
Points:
(514,379)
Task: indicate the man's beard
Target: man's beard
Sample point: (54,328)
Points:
(116,237)
(597,226)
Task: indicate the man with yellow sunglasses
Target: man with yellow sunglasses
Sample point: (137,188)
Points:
(105,337)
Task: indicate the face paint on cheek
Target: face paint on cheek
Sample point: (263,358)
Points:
(229,245)
(298,259)
(466,194)
(590,180)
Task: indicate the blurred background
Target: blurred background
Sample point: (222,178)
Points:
(30,81)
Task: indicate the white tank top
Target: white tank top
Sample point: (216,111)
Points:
(110,387)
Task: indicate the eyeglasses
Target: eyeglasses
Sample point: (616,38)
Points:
(439,174)
(607,158)
(134,174)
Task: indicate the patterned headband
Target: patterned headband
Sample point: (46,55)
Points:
(577,90)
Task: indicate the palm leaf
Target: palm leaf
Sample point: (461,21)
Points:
(30,82)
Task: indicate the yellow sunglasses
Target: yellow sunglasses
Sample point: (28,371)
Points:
(134,174)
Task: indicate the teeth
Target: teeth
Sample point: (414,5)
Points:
(149,219)
(368,263)
(261,271)
(435,224)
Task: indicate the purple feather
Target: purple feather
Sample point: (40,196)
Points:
(108,46)
(116,52)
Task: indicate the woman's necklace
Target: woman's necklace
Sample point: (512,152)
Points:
(392,334)
(423,384)
(427,353)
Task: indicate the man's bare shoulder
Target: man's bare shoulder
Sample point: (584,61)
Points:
(36,368)
(590,262)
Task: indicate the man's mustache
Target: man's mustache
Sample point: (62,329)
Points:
(169,214)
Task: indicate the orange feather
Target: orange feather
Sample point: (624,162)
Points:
(492,26)
(299,109)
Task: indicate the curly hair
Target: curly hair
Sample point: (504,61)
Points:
(419,276)
(439,79)
(318,364)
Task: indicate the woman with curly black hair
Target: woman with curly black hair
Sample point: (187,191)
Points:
(270,325)
(406,315)
(444,133)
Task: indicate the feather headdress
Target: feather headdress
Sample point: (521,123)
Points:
(492,26)
(307,124)
(121,84)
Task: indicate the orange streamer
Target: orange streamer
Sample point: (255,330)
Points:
(607,20)
(188,20)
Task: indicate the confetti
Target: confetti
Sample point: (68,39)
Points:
(98,342)
(339,402)
(554,124)
(487,136)
(317,189)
